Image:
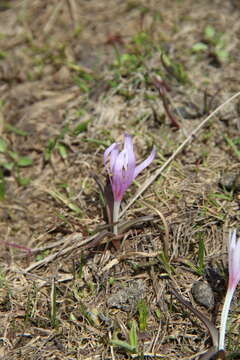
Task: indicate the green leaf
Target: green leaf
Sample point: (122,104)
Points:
(81,83)
(74,207)
(13,155)
(80,112)
(237,140)
(123,344)
(62,151)
(222,54)
(165,261)
(3,145)
(166,60)
(132,345)
(2,186)
(133,336)
(192,266)
(174,68)
(141,39)
(97,142)
(201,254)
(24,161)
(3,54)
(143,314)
(48,151)
(23,181)
(158,313)
(180,73)
(8,165)
(199,47)
(227,196)
(209,32)
(63,132)
(232,145)
(81,127)
(15,130)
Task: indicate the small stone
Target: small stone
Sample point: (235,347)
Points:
(187,112)
(63,76)
(203,294)
(230,181)
(127,297)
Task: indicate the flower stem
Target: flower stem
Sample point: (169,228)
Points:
(224,316)
(116,208)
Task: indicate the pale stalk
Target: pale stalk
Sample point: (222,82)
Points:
(116,208)
(224,316)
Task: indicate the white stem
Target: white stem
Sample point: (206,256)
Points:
(224,316)
(116,208)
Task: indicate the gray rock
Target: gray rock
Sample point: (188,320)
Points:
(203,294)
(230,181)
(127,297)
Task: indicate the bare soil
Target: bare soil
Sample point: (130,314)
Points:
(75,75)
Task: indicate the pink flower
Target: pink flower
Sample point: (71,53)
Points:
(123,169)
(233,260)
(234,278)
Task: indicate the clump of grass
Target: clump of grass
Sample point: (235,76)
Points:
(214,44)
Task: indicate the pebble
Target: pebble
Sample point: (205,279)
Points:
(127,297)
(203,294)
(230,181)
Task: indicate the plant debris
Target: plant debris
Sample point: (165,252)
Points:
(75,76)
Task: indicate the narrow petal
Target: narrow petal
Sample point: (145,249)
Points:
(145,163)
(121,166)
(130,161)
(128,148)
(108,151)
(123,172)
(234,278)
(113,157)
(236,263)
(234,259)
(117,177)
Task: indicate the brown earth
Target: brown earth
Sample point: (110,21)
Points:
(75,75)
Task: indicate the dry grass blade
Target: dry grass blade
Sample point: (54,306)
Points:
(162,217)
(128,255)
(73,238)
(48,26)
(89,242)
(75,75)
(152,178)
(212,329)
(150,356)
(73,11)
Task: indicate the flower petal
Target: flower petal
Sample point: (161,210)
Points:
(117,177)
(113,157)
(123,169)
(145,163)
(234,278)
(113,151)
(122,166)
(130,161)
(234,259)
(107,152)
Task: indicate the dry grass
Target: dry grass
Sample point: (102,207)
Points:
(67,92)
